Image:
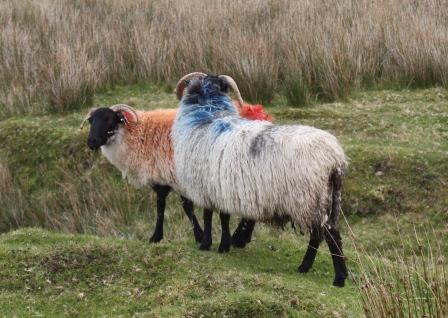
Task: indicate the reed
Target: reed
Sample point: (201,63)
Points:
(55,54)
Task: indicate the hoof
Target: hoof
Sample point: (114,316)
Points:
(224,248)
(239,241)
(205,246)
(156,238)
(339,281)
(304,269)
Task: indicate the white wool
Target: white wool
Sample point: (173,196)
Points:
(284,173)
(144,156)
(116,151)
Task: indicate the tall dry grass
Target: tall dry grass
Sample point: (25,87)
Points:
(408,285)
(54,54)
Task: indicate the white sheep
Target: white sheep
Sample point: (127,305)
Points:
(261,171)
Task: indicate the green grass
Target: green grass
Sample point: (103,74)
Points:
(395,187)
(88,276)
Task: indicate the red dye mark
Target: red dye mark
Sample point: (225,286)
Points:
(128,116)
(254,112)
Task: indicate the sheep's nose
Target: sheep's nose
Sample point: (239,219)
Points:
(93,142)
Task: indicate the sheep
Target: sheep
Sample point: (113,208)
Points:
(261,171)
(138,143)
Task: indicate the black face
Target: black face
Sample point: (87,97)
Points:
(103,125)
(210,83)
(219,83)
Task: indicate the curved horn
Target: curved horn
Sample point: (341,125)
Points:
(91,111)
(126,108)
(181,83)
(234,87)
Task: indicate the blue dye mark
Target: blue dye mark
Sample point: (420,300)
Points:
(221,126)
(206,104)
(191,100)
(200,117)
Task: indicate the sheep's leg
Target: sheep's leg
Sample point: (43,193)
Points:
(188,208)
(207,237)
(226,239)
(316,238)
(243,233)
(334,241)
(162,192)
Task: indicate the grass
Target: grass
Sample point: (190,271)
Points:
(395,187)
(88,276)
(406,286)
(308,50)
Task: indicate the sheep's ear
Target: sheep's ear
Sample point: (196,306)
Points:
(126,114)
(125,117)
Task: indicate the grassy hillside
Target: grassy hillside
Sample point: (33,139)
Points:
(395,192)
(396,141)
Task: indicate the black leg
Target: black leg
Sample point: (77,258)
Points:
(243,233)
(334,241)
(207,237)
(188,208)
(226,240)
(162,192)
(316,238)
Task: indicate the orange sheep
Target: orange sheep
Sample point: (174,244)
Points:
(138,143)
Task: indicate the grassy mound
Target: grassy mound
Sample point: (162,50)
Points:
(51,274)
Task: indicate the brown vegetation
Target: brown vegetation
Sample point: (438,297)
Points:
(55,54)
(412,284)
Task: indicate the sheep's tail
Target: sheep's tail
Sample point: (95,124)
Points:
(336,189)
(254,112)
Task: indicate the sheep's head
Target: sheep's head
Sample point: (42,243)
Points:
(105,123)
(197,81)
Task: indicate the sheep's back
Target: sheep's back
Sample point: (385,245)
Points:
(260,170)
